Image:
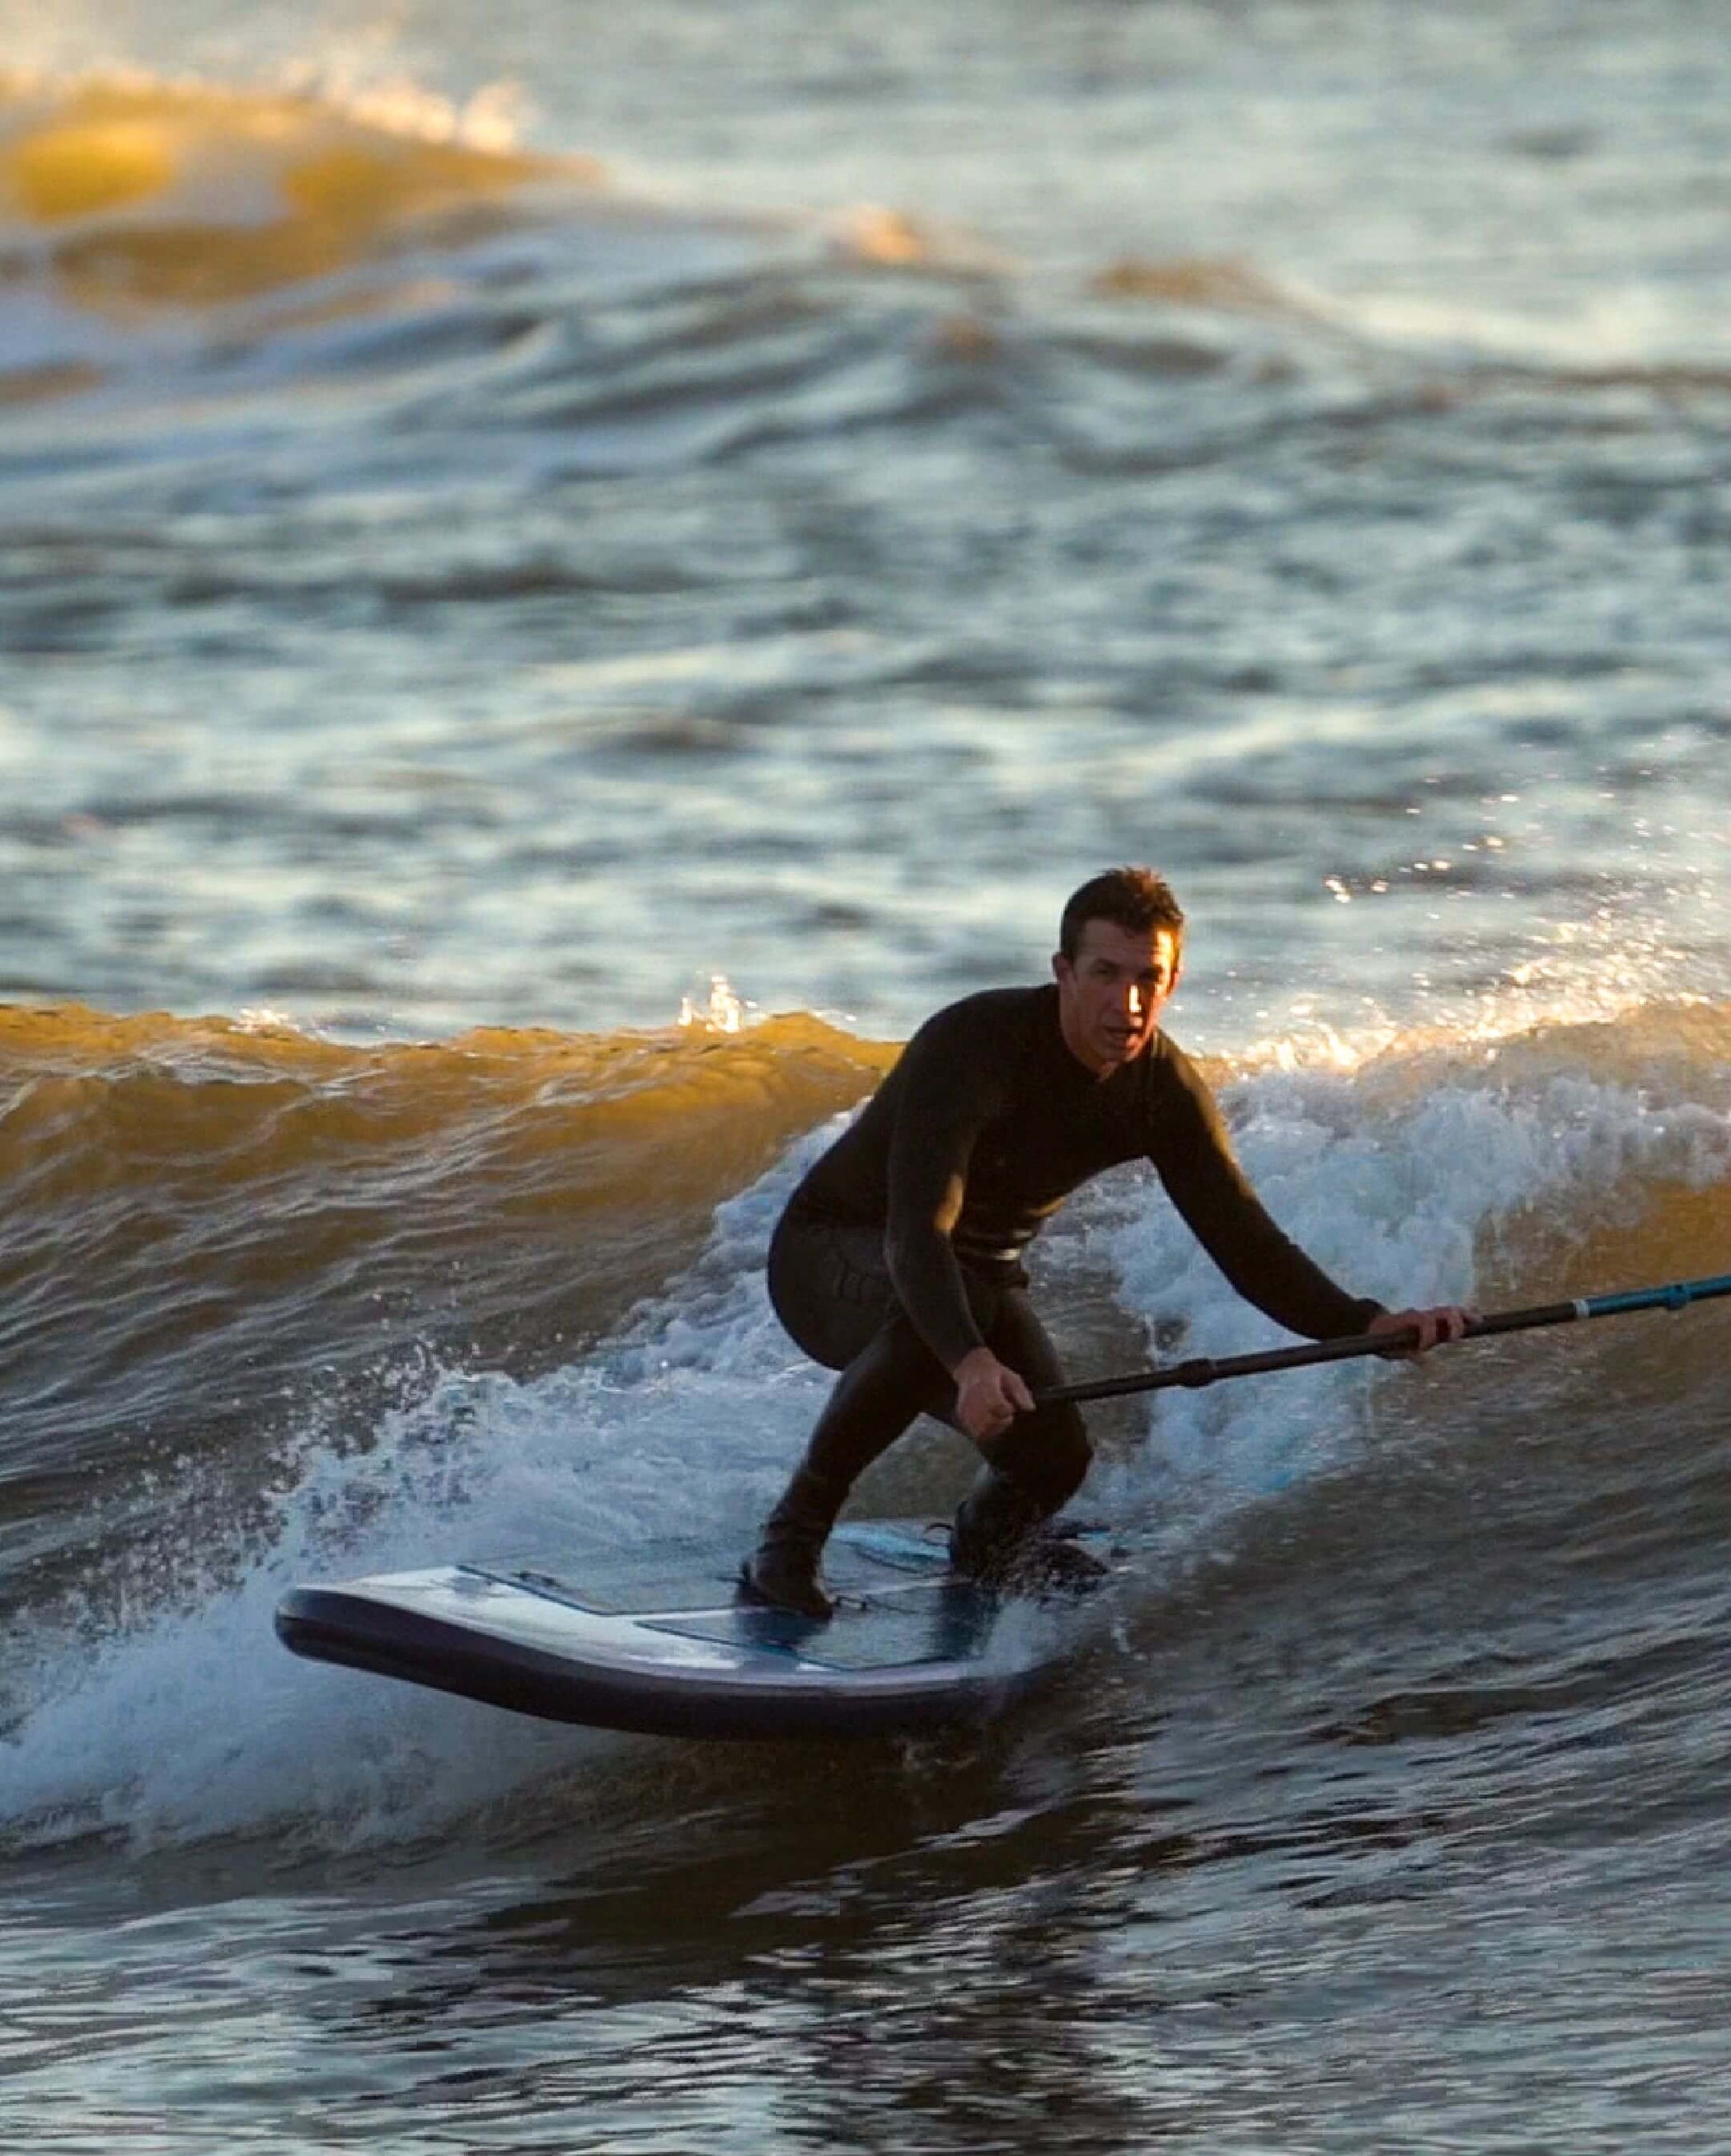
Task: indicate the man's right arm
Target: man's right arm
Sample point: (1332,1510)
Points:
(945,1098)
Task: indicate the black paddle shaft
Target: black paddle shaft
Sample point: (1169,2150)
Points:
(1202,1370)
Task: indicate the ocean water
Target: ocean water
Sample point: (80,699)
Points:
(565,576)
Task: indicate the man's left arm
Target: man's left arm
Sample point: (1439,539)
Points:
(1193,1155)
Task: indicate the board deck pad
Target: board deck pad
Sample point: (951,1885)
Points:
(935,1623)
(866,1560)
(659,1639)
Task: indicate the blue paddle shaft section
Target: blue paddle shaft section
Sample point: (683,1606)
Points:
(1677,1296)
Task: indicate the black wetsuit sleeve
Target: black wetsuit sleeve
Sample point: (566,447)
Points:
(1193,1156)
(947,1094)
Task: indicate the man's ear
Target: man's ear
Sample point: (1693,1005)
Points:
(1061,968)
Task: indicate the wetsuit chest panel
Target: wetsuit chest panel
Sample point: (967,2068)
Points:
(986,1093)
(1028,1161)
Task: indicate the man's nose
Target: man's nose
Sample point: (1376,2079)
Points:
(1135,999)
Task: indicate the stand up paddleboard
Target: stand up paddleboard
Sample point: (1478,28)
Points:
(661,1643)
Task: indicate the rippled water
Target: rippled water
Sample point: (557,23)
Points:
(783,494)
(517,623)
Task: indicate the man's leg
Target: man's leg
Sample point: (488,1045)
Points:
(831,1289)
(1038,1464)
(892,1378)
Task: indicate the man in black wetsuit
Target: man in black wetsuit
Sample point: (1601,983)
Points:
(898,1260)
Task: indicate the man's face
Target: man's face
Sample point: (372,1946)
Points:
(1110,997)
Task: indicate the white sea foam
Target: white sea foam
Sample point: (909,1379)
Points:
(1393,1195)
(192,1723)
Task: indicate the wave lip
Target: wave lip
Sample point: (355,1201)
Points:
(128,191)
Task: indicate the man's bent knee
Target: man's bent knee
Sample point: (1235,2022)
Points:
(1046,1454)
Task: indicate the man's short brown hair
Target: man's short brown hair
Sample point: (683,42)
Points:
(1133,899)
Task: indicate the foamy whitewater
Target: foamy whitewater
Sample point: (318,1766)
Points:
(564,585)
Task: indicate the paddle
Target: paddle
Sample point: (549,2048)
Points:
(1201,1371)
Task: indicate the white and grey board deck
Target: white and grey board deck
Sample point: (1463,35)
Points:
(657,1639)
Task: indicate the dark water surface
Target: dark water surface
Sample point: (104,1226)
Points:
(459,600)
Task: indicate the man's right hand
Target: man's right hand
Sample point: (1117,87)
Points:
(988,1395)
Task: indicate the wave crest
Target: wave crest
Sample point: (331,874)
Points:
(129,191)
